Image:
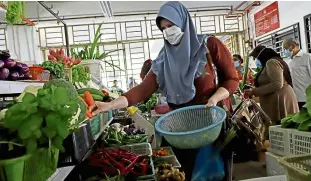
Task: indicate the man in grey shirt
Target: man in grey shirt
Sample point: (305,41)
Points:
(300,67)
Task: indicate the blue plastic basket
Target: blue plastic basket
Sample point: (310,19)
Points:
(191,127)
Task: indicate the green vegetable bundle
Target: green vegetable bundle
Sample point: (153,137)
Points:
(56,69)
(80,74)
(302,119)
(113,138)
(15,12)
(45,119)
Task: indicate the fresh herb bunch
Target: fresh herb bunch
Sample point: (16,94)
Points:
(56,69)
(15,12)
(80,74)
(45,119)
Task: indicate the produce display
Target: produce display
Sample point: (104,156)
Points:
(96,94)
(302,119)
(112,163)
(115,138)
(44,118)
(11,69)
(150,104)
(58,61)
(167,172)
(161,152)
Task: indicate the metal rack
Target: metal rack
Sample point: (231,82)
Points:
(307,23)
(275,39)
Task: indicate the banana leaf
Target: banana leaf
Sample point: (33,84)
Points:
(245,75)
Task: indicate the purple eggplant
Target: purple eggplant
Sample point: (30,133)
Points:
(9,63)
(21,76)
(14,75)
(4,73)
(1,64)
(28,76)
(21,67)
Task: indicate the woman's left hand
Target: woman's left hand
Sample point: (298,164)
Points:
(249,92)
(211,102)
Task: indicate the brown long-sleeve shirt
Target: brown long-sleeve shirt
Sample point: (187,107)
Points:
(205,85)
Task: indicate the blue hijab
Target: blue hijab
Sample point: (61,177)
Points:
(177,66)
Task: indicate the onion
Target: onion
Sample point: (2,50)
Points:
(4,73)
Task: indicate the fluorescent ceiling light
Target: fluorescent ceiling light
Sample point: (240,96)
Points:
(106,8)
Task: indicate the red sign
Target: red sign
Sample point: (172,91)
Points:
(267,19)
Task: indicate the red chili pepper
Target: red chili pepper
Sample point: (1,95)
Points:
(117,164)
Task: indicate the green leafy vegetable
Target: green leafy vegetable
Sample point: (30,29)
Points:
(56,69)
(48,117)
(80,74)
(15,10)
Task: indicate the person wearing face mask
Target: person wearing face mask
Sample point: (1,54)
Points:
(300,67)
(273,85)
(183,72)
(238,64)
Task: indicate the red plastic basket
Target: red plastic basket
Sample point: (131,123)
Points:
(35,71)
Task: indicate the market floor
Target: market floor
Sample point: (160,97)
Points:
(249,170)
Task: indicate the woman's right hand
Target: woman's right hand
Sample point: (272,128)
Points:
(102,107)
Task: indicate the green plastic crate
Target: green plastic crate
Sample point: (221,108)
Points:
(41,165)
(298,168)
(95,123)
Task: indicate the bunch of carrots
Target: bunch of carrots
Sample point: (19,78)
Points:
(58,56)
(89,102)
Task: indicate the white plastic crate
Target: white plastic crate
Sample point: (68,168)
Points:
(139,149)
(273,168)
(149,128)
(286,142)
(279,141)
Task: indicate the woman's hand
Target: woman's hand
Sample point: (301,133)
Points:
(220,94)
(102,107)
(249,92)
(211,102)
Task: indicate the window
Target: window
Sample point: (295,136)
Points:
(307,22)
(275,40)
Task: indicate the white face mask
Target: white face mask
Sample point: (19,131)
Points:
(173,35)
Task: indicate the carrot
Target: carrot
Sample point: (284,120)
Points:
(89,114)
(82,100)
(89,98)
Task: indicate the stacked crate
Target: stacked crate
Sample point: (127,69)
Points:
(285,142)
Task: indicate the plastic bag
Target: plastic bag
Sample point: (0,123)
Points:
(208,166)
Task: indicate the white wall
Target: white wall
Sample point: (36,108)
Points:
(290,12)
(22,42)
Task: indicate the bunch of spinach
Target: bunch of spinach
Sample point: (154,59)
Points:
(56,69)
(302,119)
(44,120)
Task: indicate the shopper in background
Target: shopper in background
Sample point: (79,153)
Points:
(132,82)
(273,85)
(183,72)
(238,64)
(300,67)
(145,69)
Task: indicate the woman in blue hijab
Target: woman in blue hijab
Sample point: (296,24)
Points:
(184,71)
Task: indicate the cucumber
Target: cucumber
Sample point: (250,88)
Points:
(91,90)
(95,97)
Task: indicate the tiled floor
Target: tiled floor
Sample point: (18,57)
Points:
(249,170)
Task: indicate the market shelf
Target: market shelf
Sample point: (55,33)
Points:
(60,174)
(103,129)
(13,87)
